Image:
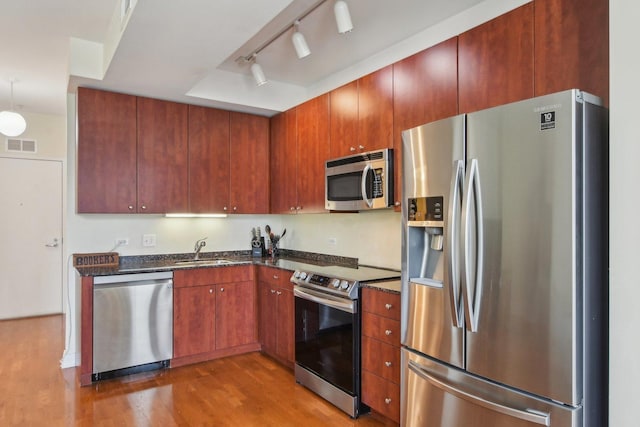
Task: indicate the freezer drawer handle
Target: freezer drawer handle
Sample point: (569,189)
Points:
(538,417)
(453,228)
(472,298)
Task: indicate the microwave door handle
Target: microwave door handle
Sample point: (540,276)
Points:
(365,173)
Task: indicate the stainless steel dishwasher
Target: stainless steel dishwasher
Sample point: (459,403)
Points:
(132,323)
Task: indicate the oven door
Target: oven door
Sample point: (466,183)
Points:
(325,345)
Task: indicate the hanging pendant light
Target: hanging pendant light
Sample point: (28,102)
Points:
(343,17)
(11,123)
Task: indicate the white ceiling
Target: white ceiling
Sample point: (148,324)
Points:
(186,50)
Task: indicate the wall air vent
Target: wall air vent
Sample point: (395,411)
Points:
(21,145)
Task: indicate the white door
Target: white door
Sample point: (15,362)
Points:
(30,237)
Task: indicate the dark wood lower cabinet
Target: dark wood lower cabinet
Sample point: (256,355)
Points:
(214,314)
(276,314)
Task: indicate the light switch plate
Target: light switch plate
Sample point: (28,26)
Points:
(148,240)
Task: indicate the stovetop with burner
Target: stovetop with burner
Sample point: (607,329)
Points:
(341,281)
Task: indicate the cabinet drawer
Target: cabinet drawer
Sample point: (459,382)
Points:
(275,277)
(385,304)
(381,328)
(381,395)
(381,359)
(212,276)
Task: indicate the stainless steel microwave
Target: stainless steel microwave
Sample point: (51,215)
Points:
(360,182)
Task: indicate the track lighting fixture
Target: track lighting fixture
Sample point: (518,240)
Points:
(343,17)
(11,123)
(299,42)
(258,74)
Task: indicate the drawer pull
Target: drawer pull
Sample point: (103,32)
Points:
(387,400)
(387,332)
(387,364)
(388,306)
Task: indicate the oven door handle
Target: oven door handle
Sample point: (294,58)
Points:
(348,307)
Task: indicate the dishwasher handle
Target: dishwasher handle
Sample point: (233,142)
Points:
(165,282)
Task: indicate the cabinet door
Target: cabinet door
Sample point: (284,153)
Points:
(344,120)
(162,156)
(285,315)
(106,152)
(375,110)
(208,160)
(249,163)
(425,89)
(284,163)
(496,61)
(193,320)
(572,46)
(235,314)
(268,321)
(312,153)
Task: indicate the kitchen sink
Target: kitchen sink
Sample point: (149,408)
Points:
(205,262)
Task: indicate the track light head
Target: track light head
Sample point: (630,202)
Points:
(258,74)
(299,42)
(343,17)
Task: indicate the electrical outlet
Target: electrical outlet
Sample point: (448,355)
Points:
(333,241)
(148,240)
(122,241)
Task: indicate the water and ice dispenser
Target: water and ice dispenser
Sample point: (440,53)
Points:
(425,240)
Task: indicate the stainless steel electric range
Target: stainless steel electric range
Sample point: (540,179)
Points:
(327,331)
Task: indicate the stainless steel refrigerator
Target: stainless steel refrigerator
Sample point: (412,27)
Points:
(504,266)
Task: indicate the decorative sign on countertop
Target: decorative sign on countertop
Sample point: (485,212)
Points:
(100,259)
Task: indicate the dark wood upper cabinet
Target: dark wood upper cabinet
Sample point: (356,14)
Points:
(106,152)
(572,46)
(425,89)
(495,61)
(312,153)
(375,110)
(284,163)
(208,160)
(249,160)
(162,156)
(344,120)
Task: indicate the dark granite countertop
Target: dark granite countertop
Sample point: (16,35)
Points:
(287,260)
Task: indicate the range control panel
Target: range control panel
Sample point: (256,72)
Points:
(336,286)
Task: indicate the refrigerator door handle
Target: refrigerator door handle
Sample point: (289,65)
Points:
(453,228)
(472,299)
(363,185)
(528,415)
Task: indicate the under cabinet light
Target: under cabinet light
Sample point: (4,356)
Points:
(192,215)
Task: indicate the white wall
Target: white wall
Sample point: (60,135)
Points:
(625,204)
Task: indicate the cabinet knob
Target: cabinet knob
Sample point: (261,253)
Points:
(361,147)
(298,208)
(352,149)
(144,207)
(225,208)
(273,291)
(210,291)
(397,203)
(388,306)
(130,207)
(292,208)
(275,276)
(221,289)
(387,364)
(387,400)
(278,293)
(387,332)
(235,208)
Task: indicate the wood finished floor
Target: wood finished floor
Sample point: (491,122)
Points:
(247,390)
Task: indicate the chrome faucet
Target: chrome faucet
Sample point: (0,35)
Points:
(198,247)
